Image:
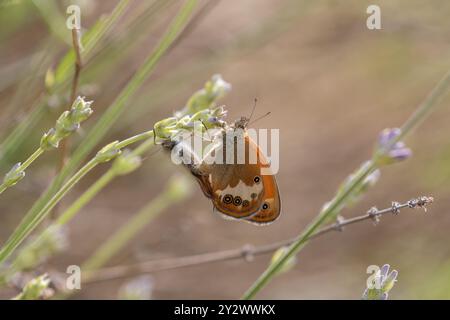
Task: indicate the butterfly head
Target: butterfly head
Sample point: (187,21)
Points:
(241,123)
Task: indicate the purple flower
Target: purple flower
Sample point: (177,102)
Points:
(397,152)
(139,288)
(383,283)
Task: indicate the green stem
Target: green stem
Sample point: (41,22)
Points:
(24,166)
(139,137)
(336,204)
(90,40)
(39,109)
(53,18)
(24,230)
(17,136)
(87,196)
(176,190)
(19,236)
(30,159)
(125,233)
(99,34)
(115,110)
(118,106)
(301,241)
(424,109)
(104,180)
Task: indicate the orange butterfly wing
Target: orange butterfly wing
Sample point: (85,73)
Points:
(239,190)
(271,203)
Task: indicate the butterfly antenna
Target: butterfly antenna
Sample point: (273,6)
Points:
(151,154)
(253,109)
(259,118)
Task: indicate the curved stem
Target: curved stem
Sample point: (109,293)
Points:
(300,242)
(116,109)
(25,229)
(17,238)
(31,159)
(92,38)
(335,205)
(105,179)
(246,252)
(127,231)
(87,196)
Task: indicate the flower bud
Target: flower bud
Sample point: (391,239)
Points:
(137,289)
(14,175)
(49,141)
(392,153)
(108,152)
(179,187)
(37,288)
(385,281)
(81,110)
(288,265)
(126,163)
(213,90)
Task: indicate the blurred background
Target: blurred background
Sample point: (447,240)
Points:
(331,86)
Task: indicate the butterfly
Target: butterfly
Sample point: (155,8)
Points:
(238,190)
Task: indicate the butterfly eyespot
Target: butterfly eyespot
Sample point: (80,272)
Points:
(257,179)
(265,206)
(245,203)
(253,195)
(228,199)
(237,200)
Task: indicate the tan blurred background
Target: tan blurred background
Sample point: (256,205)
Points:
(331,85)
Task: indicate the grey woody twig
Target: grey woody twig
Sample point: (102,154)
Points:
(76,41)
(247,252)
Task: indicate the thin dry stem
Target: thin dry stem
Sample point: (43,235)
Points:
(76,41)
(247,252)
(65,144)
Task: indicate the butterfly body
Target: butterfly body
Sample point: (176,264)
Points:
(237,188)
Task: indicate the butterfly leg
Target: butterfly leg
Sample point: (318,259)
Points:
(196,171)
(202,179)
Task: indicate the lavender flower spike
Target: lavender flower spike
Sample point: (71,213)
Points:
(396,152)
(384,282)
